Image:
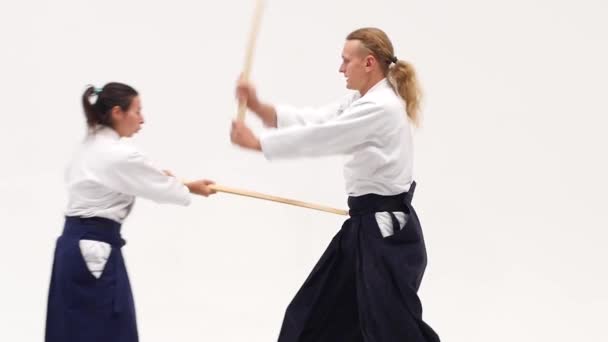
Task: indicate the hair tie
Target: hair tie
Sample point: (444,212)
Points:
(97,91)
(394,59)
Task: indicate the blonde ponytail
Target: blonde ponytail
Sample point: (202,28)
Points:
(403,79)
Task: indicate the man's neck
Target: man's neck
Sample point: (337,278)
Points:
(371,83)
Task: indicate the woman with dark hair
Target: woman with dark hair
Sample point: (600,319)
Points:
(90,295)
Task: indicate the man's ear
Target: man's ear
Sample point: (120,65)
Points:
(370,60)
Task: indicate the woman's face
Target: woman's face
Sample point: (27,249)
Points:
(128,122)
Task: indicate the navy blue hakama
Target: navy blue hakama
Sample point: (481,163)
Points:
(82,307)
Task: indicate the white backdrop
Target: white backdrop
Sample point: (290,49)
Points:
(511,161)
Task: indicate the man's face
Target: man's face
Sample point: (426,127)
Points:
(354,64)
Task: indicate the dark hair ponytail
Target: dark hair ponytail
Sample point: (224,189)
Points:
(111,95)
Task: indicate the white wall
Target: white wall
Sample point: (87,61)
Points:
(511,161)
